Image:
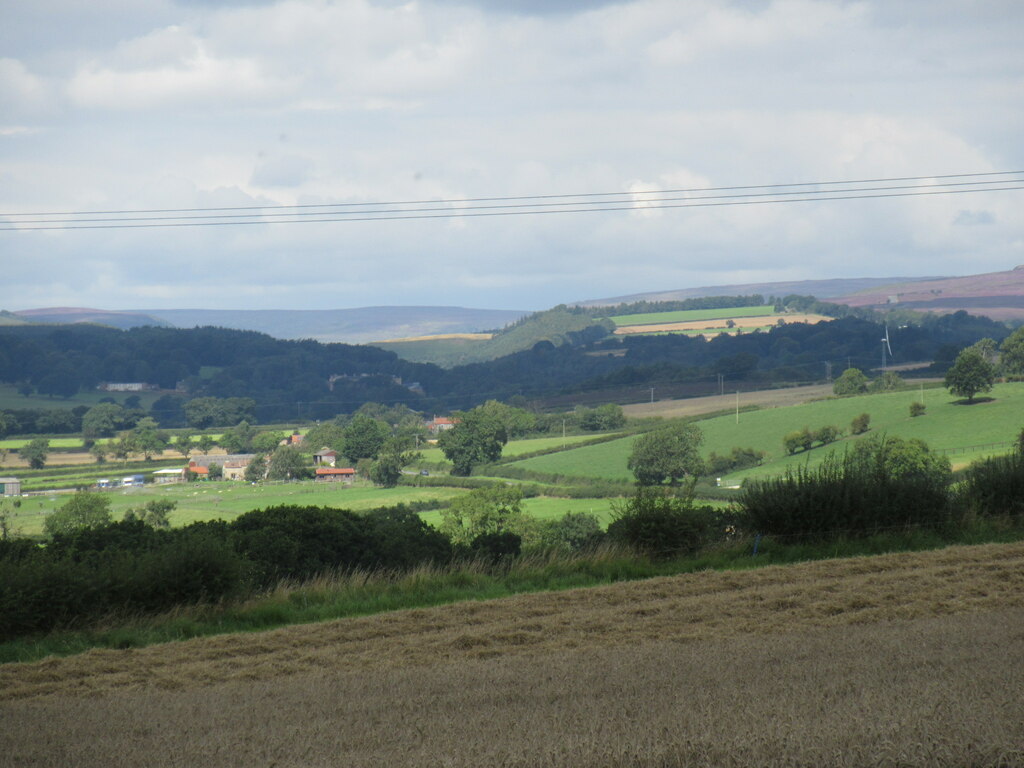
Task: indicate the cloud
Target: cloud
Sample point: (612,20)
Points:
(160,104)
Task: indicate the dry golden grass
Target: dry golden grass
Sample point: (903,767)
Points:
(439,337)
(907,659)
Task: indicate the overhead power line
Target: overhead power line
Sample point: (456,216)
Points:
(586,202)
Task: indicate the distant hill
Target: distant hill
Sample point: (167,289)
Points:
(352,326)
(823,289)
(113,318)
(998,295)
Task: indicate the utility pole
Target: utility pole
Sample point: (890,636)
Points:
(652,398)
(737,406)
(828,372)
(721,384)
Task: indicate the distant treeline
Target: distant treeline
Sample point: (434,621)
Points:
(308,380)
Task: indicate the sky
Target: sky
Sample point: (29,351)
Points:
(116,105)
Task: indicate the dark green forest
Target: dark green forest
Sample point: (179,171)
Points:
(306,380)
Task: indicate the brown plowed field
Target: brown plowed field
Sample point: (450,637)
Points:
(908,659)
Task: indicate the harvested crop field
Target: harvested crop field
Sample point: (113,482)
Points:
(908,659)
(717,325)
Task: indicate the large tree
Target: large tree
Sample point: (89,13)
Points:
(486,511)
(970,374)
(477,438)
(667,454)
(852,382)
(364,438)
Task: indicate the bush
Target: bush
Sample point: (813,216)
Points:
(860,424)
(739,458)
(573,532)
(917,408)
(660,524)
(993,486)
(798,440)
(851,382)
(827,434)
(882,483)
(497,547)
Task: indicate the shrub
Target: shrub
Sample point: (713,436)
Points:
(882,483)
(827,434)
(739,458)
(993,486)
(660,524)
(798,440)
(917,408)
(497,547)
(859,425)
(573,532)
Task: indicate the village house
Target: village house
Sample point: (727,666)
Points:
(233,465)
(440,424)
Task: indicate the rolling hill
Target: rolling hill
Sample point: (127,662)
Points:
(999,295)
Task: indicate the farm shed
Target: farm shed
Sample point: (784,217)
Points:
(10,486)
(335,474)
(325,458)
(162,476)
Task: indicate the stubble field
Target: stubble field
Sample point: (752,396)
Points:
(908,659)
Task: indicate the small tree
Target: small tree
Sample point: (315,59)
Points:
(667,454)
(485,511)
(1012,353)
(83,510)
(184,443)
(205,443)
(287,463)
(851,382)
(35,452)
(970,374)
(860,424)
(215,471)
(917,408)
(154,513)
(827,434)
(99,452)
(256,469)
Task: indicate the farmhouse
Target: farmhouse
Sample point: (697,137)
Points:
(335,474)
(440,424)
(233,464)
(10,486)
(125,386)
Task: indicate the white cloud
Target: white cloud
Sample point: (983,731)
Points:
(164,105)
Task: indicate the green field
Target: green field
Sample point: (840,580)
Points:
(946,425)
(690,315)
(10,399)
(14,444)
(549,508)
(227,500)
(517,447)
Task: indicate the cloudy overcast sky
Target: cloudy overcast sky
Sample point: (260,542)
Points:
(161,104)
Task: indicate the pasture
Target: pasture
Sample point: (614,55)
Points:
(11,399)
(434,455)
(226,500)
(947,425)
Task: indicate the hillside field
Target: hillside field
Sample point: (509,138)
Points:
(908,659)
(947,425)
